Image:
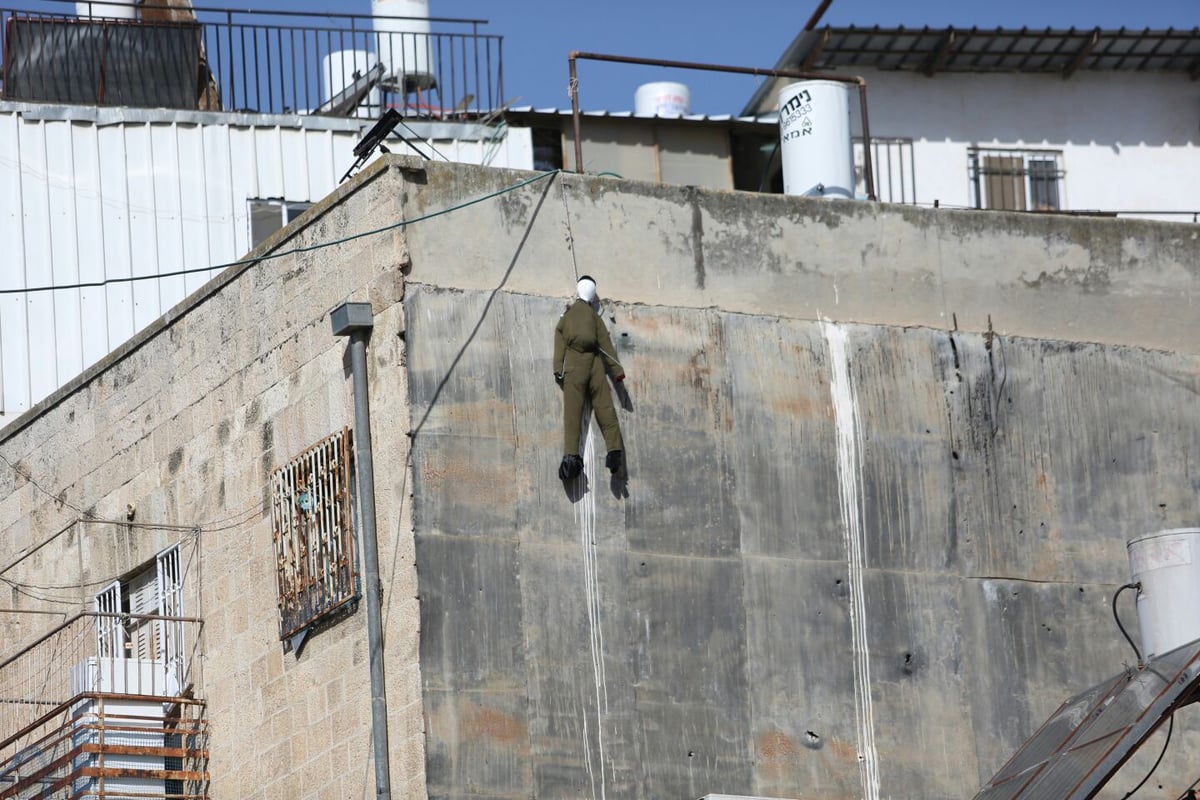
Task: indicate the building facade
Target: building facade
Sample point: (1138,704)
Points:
(1076,120)
(112,174)
(864,546)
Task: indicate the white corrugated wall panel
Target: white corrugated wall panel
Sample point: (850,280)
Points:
(96,200)
(117,242)
(168,171)
(243,159)
(39,265)
(64,255)
(219,196)
(292,159)
(89,237)
(320,162)
(143,223)
(193,207)
(14,350)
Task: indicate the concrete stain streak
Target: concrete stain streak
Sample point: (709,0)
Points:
(850,489)
(585,517)
(697,236)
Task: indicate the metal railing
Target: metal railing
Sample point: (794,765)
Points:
(51,673)
(106,746)
(262,62)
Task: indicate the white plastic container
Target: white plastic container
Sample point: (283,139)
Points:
(662,99)
(112,9)
(814,129)
(338,70)
(403,44)
(1167,564)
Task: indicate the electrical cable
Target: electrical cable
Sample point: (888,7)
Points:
(1117,617)
(25,473)
(1163,752)
(283,253)
(418,136)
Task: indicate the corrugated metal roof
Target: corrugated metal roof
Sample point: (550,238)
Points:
(931,50)
(1000,50)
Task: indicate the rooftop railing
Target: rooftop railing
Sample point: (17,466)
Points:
(221,59)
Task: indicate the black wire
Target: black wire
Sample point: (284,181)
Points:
(1116,617)
(248,261)
(1170,728)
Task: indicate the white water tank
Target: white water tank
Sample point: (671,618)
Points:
(662,99)
(340,69)
(815,142)
(404,45)
(1167,564)
(114,9)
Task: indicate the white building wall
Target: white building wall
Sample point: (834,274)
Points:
(101,195)
(1129,141)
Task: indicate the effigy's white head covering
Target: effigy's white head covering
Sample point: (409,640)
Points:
(586,289)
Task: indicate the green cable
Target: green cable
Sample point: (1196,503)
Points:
(293,251)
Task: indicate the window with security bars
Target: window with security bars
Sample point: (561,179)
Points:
(140,631)
(312,528)
(1016,180)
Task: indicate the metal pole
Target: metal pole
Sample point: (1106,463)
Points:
(868,168)
(573,89)
(355,320)
(817,14)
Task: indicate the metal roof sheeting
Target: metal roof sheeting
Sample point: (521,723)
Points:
(1000,50)
(1051,50)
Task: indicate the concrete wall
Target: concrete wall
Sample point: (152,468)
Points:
(861,534)
(767,607)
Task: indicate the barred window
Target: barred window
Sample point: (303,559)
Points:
(1016,180)
(312,527)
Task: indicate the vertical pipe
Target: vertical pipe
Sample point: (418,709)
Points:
(868,172)
(366,487)
(573,89)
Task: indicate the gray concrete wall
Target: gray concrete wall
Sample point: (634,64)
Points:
(759,610)
(692,631)
(763,608)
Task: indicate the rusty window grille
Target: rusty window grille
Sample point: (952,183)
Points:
(312,527)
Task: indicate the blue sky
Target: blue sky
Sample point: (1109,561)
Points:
(539,34)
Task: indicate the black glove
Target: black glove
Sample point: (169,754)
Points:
(570,467)
(558,378)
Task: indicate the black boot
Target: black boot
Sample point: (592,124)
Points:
(570,467)
(613,460)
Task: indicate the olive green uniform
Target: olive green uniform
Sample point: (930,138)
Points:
(582,348)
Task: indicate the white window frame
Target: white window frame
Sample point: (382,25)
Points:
(156,590)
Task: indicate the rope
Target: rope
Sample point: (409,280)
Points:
(562,191)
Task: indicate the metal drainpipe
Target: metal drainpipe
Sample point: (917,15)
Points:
(356,321)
